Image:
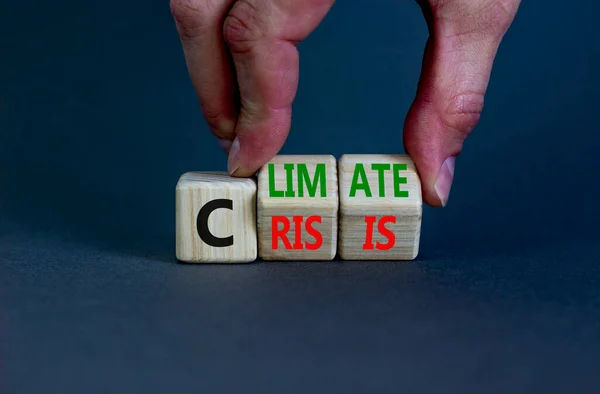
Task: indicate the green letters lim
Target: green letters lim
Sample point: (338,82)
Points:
(305,184)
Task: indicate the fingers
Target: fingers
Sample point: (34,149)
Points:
(457,64)
(200,27)
(261,36)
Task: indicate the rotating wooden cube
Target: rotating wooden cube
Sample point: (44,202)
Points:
(380,207)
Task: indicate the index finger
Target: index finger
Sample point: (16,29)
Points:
(262,37)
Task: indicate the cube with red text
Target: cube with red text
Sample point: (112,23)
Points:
(297,208)
(380,207)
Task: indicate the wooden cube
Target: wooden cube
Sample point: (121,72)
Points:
(215,218)
(297,208)
(380,207)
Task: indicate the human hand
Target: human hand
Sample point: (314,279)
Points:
(243,63)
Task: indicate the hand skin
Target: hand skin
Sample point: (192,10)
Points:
(243,63)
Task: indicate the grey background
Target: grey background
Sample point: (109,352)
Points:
(98,120)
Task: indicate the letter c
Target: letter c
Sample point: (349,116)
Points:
(202,223)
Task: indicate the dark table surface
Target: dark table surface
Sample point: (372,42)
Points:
(83,319)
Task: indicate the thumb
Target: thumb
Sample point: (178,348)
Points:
(459,54)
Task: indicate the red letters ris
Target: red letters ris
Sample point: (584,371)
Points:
(281,233)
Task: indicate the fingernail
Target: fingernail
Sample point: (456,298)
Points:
(232,163)
(444,181)
(225,145)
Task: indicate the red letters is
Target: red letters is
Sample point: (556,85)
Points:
(391,237)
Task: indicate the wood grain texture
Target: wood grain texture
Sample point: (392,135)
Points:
(193,191)
(326,207)
(406,210)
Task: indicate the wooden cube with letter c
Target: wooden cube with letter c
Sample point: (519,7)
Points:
(215,218)
(380,207)
(297,208)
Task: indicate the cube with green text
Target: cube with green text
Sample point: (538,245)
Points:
(297,208)
(380,207)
